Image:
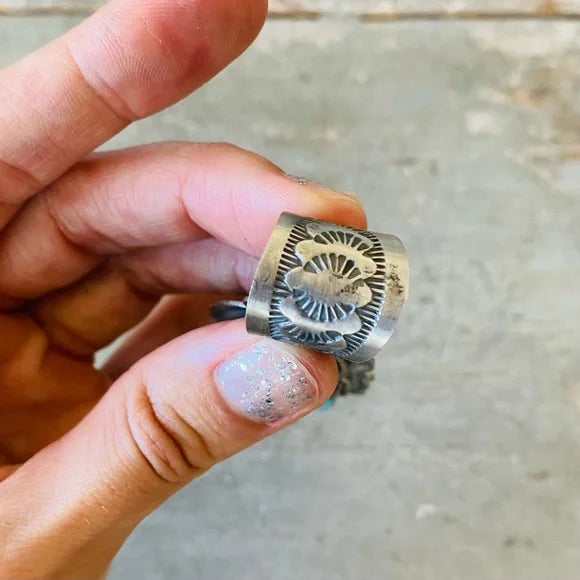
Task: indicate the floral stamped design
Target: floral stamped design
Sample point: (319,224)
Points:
(329,287)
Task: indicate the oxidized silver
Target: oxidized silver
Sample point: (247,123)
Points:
(354,378)
(228,310)
(330,288)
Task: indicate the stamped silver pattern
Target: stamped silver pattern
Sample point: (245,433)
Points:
(329,288)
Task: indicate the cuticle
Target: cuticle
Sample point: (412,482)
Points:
(308,368)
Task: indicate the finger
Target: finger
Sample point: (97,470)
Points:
(182,409)
(6,470)
(148,196)
(37,404)
(204,266)
(173,317)
(87,316)
(129,60)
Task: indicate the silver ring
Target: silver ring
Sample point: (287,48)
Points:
(330,288)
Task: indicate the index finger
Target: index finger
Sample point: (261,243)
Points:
(129,60)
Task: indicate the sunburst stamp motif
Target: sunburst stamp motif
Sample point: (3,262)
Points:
(329,289)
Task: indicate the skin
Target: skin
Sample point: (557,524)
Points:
(94,245)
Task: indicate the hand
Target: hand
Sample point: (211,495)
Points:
(89,246)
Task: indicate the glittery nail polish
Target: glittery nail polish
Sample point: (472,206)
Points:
(265,382)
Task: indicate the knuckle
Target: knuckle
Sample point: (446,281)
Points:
(175,450)
(107,96)
(20,183)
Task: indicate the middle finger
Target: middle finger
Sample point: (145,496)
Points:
(152,196)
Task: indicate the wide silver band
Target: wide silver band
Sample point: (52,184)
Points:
(329,288)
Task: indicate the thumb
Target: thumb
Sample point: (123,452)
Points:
(192,403)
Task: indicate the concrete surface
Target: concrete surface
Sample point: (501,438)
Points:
(464,461)
(372,9)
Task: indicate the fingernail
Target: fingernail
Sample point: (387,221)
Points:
(266,383)
(328,190)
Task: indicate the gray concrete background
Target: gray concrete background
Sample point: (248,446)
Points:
(371,9)
(463,462)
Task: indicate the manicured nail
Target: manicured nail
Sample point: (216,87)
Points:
(266,383)
(327,190)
